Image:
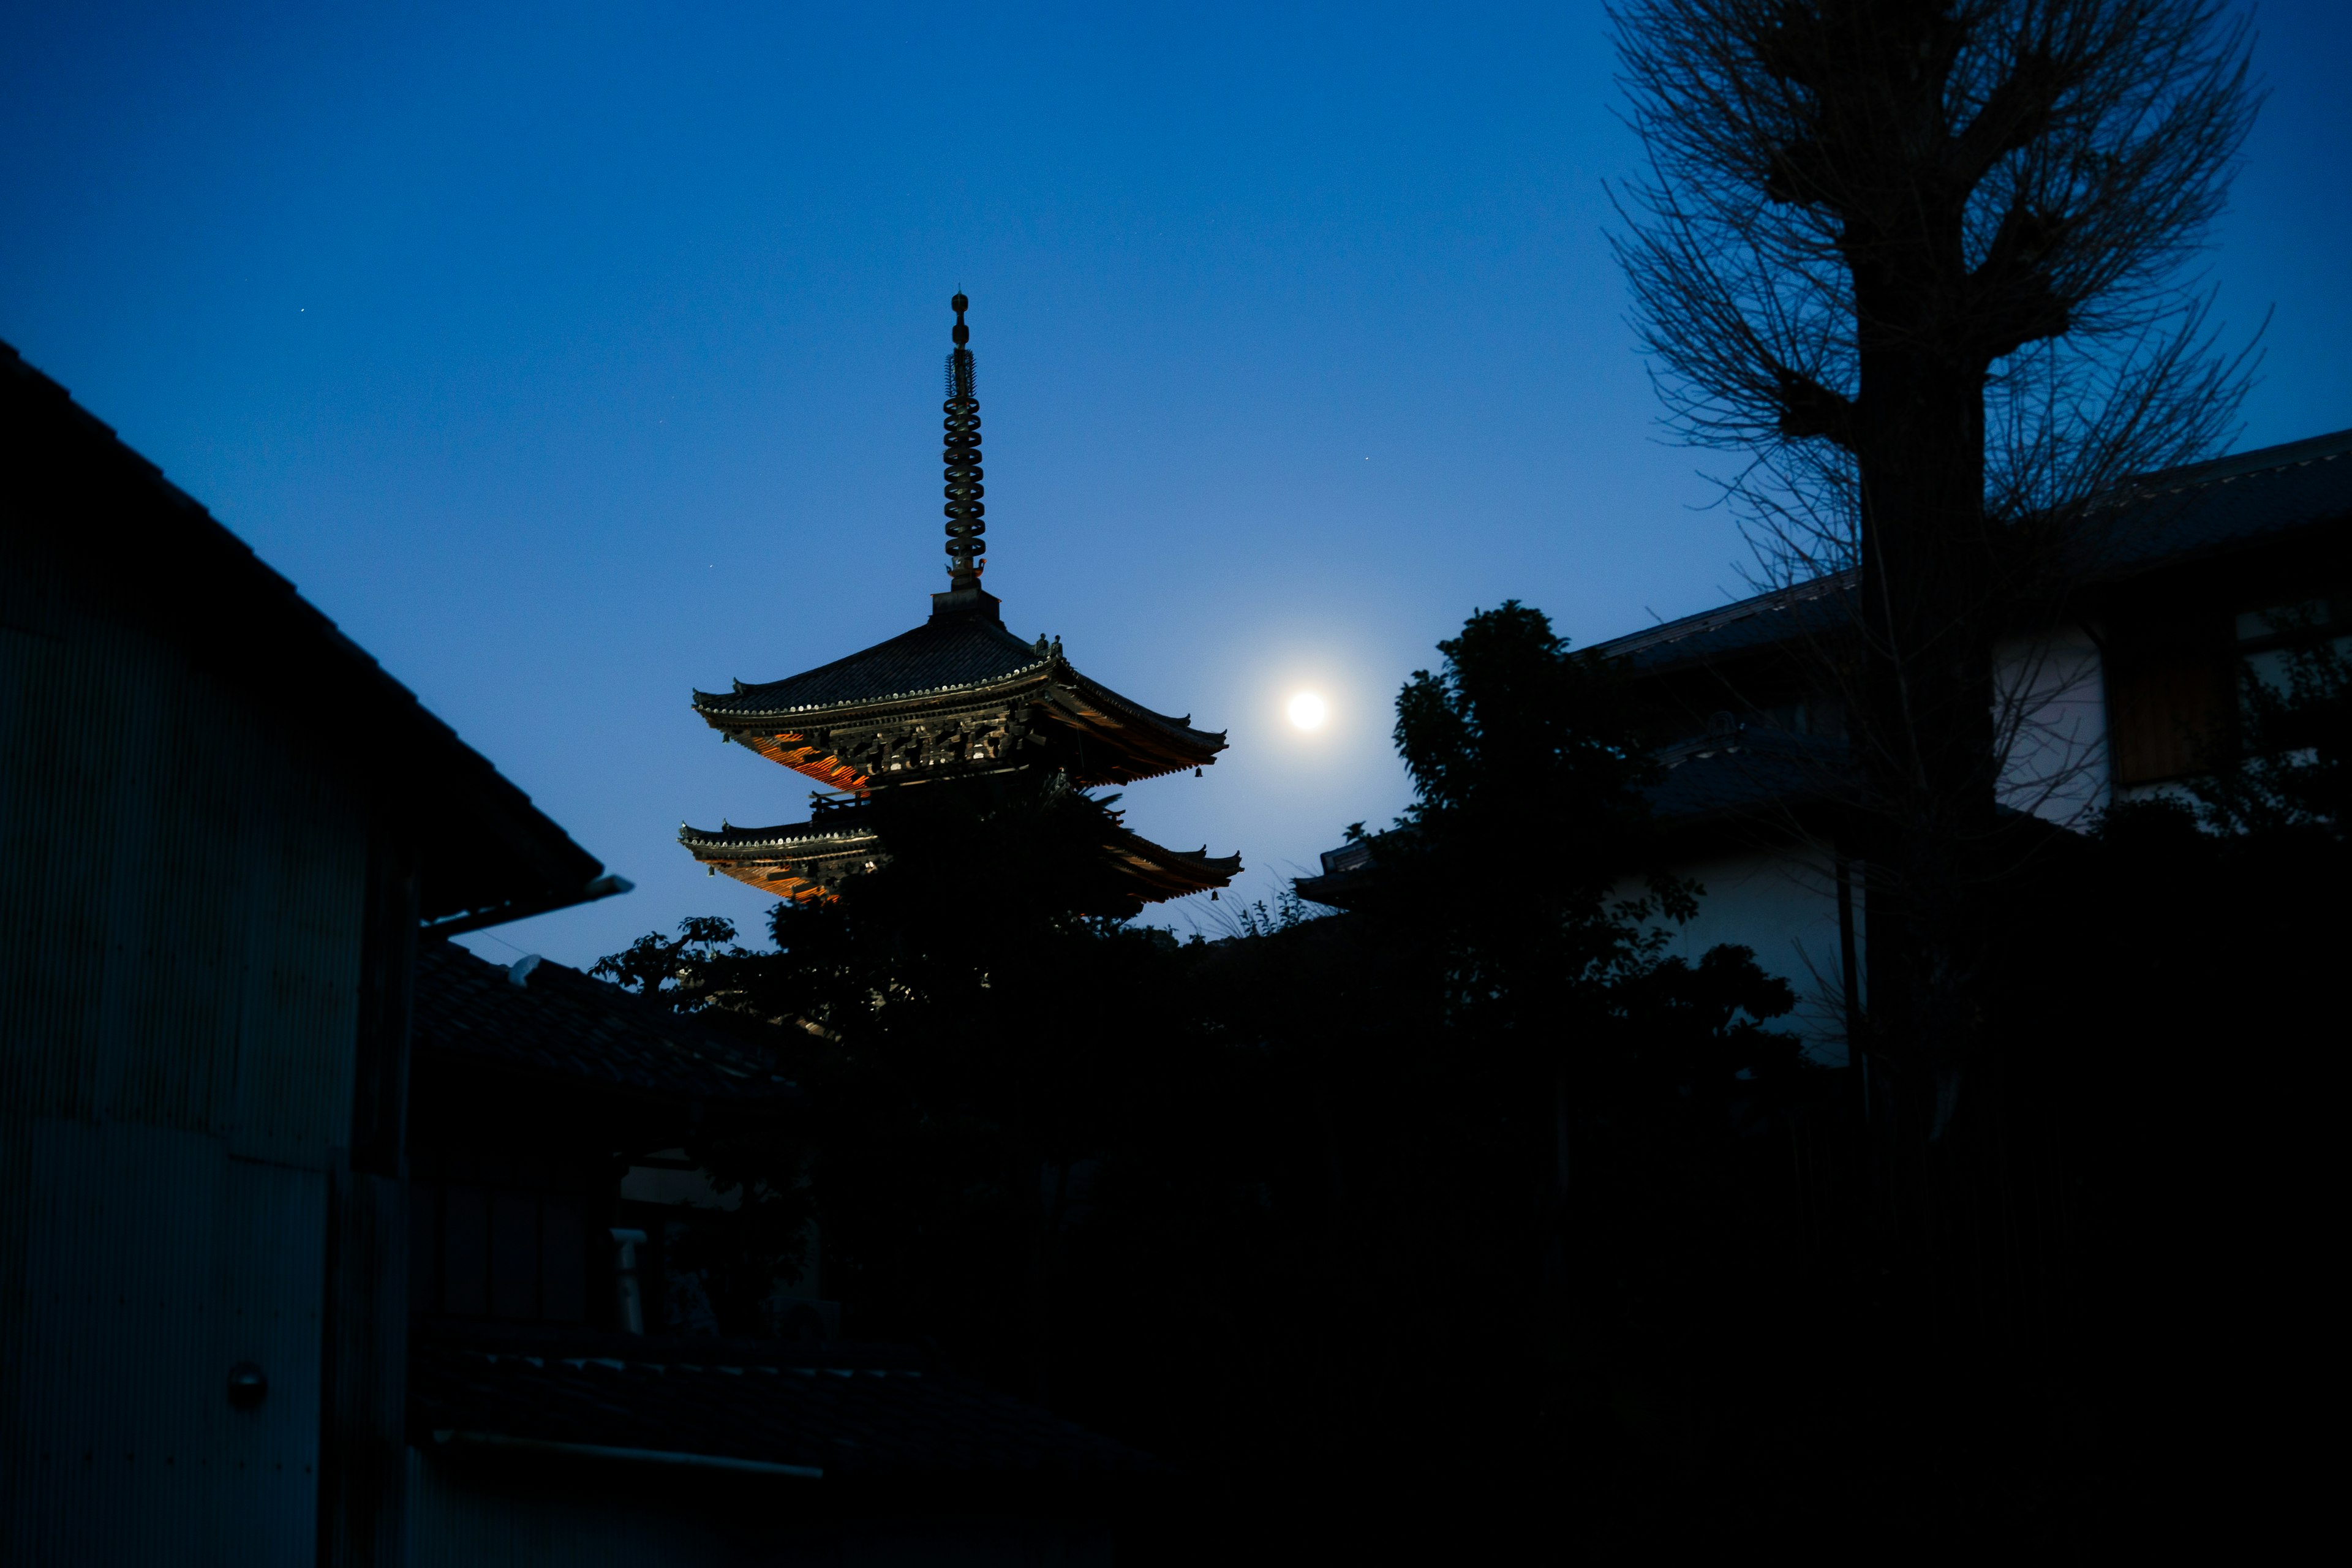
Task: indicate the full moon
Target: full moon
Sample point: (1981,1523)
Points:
(1306,710)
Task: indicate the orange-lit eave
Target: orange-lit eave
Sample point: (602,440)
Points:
(755,874)
(797,753)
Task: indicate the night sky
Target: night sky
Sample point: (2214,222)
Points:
(573,357)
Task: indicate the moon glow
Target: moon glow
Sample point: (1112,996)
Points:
(1306,710)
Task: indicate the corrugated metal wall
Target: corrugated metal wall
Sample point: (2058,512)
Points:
(179,925)
(155,1262)
(181,895)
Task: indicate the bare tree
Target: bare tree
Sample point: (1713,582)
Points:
(1928,266)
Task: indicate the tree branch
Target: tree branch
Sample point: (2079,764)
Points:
(2014,113)
(1812,412)
(2012,299)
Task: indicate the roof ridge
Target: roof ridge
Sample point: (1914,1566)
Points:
(2236,466)
(681,1032)
(1724,614)
(781,833)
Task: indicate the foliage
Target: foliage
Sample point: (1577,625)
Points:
(1415,1077)
(2289,775)
(1527,764)
(671,968)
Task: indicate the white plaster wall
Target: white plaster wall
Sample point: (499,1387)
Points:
(1783,905)
(2049,713)
(1782,902)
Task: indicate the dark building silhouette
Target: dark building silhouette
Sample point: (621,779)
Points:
(581,1393)
(225,829)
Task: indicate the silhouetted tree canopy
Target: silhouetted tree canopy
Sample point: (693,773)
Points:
(1191,1191)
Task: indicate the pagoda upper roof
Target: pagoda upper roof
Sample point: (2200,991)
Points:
(946,654)
(960,656)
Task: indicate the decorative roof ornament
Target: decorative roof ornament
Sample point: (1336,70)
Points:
(964,510)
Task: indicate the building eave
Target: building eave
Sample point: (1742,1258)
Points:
(172,569)
(806,862)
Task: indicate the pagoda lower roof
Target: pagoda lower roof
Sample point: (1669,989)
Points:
(804,861)
(953,663)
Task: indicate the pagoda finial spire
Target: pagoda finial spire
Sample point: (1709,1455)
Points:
(964,510)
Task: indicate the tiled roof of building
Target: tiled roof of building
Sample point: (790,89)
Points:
(1747,771)
(1808,609)
(949,653)
(814,837)
(945,657)
(842,1412)
(2227,504)
(2162,519)
(165,563)
(562,1022)
(803,861)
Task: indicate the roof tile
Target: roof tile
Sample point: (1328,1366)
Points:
(942,655)
(564,1022)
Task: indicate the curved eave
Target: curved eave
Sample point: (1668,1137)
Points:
(1171,740)
(791,861)
(1338,890)
(1146,745)
(781,734)
(723,710)
(1172,873)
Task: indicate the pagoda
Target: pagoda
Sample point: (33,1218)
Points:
(959,697)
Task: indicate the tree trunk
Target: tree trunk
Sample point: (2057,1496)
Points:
(1929,613)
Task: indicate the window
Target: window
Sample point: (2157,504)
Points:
(2169,708)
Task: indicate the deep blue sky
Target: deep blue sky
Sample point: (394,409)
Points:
(570,357)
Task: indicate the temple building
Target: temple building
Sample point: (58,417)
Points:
(957,697)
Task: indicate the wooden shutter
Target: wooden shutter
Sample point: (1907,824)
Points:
(2169,711)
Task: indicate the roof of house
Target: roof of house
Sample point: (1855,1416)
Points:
(2230,503)
(829,1410)
(165,564)
(557,1021)
(1748,769)
(1824,606)
(2172,518)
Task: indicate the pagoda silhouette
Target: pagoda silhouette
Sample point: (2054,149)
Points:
(957,697)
